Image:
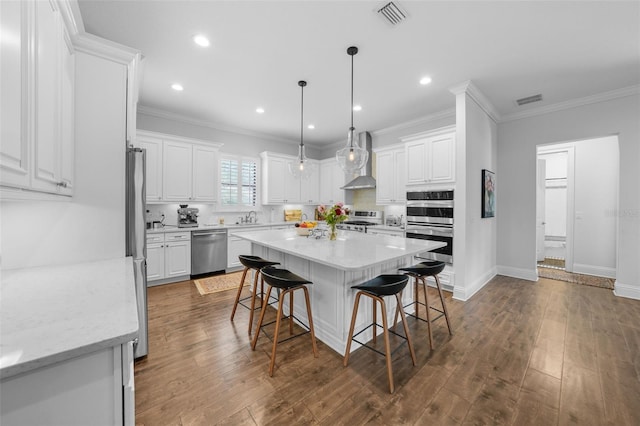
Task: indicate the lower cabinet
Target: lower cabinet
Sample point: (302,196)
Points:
(235,247)
(168,256)
(92,389)
(374,231)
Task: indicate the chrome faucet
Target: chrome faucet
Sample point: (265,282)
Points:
(303,217)
(250,219)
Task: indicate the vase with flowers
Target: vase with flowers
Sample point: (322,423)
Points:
(333,215)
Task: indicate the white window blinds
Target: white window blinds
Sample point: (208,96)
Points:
(238,182)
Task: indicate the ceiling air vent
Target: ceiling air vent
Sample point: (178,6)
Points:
(529,99)
(392,13)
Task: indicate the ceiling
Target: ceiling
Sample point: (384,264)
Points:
(260,49)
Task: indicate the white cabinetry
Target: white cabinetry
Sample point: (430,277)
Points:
(235,247)
(430,157)
(38,80)
(95,389)
(390,175)
(378,231)
(177,163)
(168,255)
(331,179)
(153,162)
(179,169)
(280,187)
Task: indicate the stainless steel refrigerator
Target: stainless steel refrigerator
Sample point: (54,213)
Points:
(137,239)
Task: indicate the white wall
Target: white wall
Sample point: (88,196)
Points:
(92,225)
(234,143)
(517,142)
(596,185)
(475,249)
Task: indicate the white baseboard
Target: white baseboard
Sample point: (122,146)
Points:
(598,271)
(626,290)
(523,274)
(468,291)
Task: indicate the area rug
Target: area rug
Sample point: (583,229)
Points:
(552,262)
(218,283)
(557,274)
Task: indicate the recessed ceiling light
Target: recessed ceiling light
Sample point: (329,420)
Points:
(425,80)
(357,108)
(201,40)
(311,126)
(177,87)
(260,110)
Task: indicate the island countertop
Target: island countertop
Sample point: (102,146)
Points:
(51,314)
(351,251)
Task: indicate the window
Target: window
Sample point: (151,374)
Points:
(238,182)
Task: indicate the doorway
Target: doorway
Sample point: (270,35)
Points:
(577,197)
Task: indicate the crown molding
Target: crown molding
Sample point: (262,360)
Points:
(160,113)
(94,45)
(573,103)
(474,93)
(417,122)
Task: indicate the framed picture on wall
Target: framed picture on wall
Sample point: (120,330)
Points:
(488,193)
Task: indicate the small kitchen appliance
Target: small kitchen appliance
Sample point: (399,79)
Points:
(187,217)
(360,220)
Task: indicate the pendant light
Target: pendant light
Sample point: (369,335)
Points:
(300,168)
(352,157)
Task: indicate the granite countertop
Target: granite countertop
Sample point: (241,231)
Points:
(200,227)
(51,314)
(351,251)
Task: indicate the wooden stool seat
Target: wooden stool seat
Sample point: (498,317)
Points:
(256,263)
(376,289)
(283,279)
(419,272)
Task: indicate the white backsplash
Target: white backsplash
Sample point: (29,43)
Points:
(208,215)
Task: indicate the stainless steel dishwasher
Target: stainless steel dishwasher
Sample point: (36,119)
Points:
(208,251)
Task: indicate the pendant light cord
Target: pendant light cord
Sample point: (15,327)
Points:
(350,130)
(301,115)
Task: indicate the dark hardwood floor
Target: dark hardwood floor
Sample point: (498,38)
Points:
(522,353)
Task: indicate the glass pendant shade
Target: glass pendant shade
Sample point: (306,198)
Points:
(352,157)
(300,168)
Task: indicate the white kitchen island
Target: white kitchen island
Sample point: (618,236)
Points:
(335,266)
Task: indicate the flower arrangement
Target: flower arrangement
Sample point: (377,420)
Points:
(333,215)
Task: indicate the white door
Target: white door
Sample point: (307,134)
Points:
(177,171)
(153,164)
(155,261)
(177,259)
(385,177)
(540,209)
(204,173)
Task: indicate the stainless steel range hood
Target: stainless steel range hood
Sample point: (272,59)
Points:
(366,181)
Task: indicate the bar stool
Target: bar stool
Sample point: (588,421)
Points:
(419,272)
(256,263)
(282,279)
(376,289)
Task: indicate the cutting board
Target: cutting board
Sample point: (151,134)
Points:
(292,215)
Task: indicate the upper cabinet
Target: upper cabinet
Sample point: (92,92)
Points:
(38,65)
(430,157)
(332,178)
(390,175)
(280,187)
(179,169)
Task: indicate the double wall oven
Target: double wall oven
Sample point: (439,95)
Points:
(430,217)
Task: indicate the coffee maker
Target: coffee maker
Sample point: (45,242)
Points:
(187,217)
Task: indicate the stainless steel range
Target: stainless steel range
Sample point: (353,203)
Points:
(359,220)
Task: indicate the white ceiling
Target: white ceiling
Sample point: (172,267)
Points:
(260,49)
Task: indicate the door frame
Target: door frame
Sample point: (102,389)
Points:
(569,149)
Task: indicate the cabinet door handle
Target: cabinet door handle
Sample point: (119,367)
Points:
(64,184)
